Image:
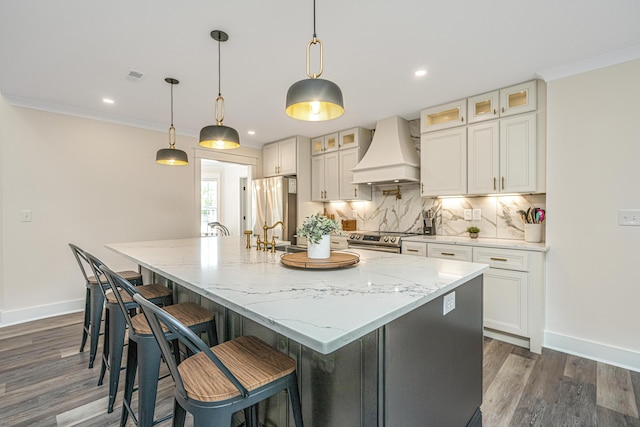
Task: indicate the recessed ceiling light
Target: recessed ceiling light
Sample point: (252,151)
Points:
(420,73)
(252,132)
(107,100)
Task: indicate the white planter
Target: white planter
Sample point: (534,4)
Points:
(321,249)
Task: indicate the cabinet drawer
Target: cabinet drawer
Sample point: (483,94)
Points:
(505,259)
(460,253)
(414,248)
(339,243)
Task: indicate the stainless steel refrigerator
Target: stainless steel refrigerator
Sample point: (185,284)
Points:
(274,199)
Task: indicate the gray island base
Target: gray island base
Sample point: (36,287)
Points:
(418,367)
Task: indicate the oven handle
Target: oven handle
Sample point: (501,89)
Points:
(390,249)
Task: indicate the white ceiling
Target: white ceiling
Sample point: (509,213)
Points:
(67,55)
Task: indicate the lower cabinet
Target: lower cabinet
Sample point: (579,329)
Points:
(513,296)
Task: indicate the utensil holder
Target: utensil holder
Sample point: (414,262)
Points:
(533,233)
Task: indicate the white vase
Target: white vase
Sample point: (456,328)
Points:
(321,249)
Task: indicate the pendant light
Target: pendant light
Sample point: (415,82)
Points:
(218,135)
(172,156)
(314,99)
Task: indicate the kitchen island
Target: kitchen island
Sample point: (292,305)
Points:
(372,344)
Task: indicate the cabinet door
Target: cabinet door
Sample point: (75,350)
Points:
(518,99)
(317,145)
(348,159)
(484,158)
(270,159)
(287,156)
(459,253)
(331,177)
(443,160)
(483,107)
(317,178)
(356,137)
(506,301)
(414,248)
(444,116)
(518,163)
(331,142)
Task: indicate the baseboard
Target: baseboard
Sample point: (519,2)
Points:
(599,352)
(13,317)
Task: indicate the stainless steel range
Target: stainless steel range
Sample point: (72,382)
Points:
(382,241)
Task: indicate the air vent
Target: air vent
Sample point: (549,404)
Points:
(134,75)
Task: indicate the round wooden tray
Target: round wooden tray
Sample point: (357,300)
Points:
(336,260)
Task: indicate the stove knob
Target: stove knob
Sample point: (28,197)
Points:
(385,238)
(351,236)
(393,239)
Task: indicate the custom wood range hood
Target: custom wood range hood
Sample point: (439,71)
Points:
(392,156)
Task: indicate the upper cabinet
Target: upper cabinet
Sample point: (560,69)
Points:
(502,150)
(484,107)
(324,144)
(325,186)
(356,137)
(443,160)
(280,158)
(444,116)
(518,99)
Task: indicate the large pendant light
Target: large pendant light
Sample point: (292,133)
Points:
(172,156)
(314,99)
(218,135)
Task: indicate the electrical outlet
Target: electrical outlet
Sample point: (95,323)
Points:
(449,303)
(354,214)
(629,217)
(467,215)
(477,215)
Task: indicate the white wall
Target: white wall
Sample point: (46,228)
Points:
(593,286)
(4,111)
(86,182)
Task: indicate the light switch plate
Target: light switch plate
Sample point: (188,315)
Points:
(477,215)
(25,216)
(629,217)
(468,215)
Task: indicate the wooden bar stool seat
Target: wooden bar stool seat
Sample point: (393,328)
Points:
(223,379)
(151,291)
(133,277)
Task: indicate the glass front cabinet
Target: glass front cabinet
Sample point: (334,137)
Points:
(444,116)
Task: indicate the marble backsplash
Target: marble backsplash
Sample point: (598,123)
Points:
(499,214)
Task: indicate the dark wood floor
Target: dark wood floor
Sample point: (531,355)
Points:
(44,381)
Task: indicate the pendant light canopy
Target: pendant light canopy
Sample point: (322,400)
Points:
(314,99)
(172,156)
(219,136)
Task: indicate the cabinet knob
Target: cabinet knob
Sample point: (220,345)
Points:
(494,112)
(462,119)
(503,109)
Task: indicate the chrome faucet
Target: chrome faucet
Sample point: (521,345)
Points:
(265,242)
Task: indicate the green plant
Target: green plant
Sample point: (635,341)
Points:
(316,226)
(473,229)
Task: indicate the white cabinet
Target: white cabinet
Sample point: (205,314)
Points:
(443,159)
(325,144)
(503,156)
(518,99)
(280,158)
(324,178)
(414,248)
(443,116)
(356,137)
(513,295)
(457,252)
(348,159)
(483,107)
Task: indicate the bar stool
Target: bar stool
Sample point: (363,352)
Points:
(94,301)
(143,350)
(115,324)
(218,381)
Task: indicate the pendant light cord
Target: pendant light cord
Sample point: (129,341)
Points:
(219,73)
(314,19)
(172,84)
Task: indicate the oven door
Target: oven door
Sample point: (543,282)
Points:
(378,248)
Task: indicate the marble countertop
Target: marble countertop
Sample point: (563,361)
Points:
(321,309)
(492,243)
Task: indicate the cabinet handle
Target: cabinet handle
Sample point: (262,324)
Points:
(494,112)
(447,254)
(422,188)
(462,119)
(503,182)
(335,243)
(503,109)
(498,259)
(494,183)
(355,192)
(412,250)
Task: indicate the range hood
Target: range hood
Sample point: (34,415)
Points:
(391,157)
